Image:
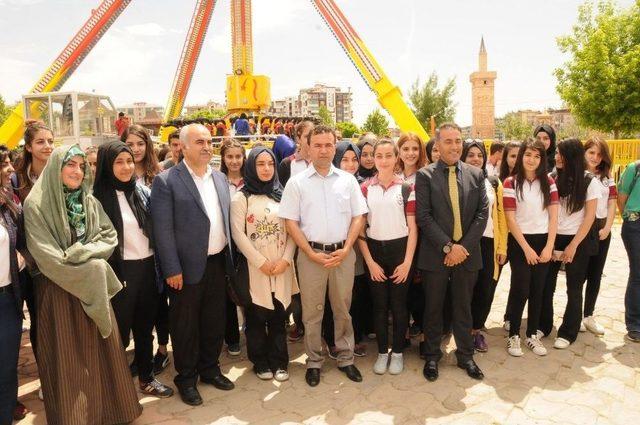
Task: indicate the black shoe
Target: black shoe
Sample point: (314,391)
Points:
(633,336)
(190,396)
(430,370)
(472,369)
(312,376)
(415,330)
(221,382)
(352,373)
(160,362)
(133,368)
(157,389)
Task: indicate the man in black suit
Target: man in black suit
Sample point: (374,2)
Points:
(190,211)
(451,211)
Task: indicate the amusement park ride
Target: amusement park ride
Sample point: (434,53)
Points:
(245,92)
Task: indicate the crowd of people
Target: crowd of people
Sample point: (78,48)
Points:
(324,240)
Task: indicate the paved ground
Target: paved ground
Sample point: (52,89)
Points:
(595,381)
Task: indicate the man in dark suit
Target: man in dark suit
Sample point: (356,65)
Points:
(190,211)
(451,211)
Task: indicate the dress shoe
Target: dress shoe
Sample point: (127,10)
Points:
(352,373)
(190,396)
(472,369)
(430,370)
(221,382)
(312,376)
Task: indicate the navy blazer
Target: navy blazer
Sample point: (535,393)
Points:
(434,214)
(181,224)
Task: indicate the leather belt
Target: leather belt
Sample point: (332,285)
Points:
(330,247)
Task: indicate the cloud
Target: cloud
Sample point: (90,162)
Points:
(19,2)
(150,29)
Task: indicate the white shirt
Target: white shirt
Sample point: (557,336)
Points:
(568,224)
(408,179)
(209,197)
(5,262)
(491,195)
(324,206)
(298,166)
(135,244)
(493,170)
(531,215)
(233,189)
(608,191)
(387,213)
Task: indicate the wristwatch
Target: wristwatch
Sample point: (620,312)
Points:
(447,248)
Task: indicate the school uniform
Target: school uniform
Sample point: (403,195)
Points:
(527,281)
(576,271)
(387,235)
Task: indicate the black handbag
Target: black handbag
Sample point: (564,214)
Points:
(238,285)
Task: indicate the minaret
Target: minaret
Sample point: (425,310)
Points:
(482,98)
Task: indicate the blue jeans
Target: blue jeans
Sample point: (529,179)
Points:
(631,239)
(10,332)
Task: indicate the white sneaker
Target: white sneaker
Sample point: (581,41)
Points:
(281,375)
(507,325)
(534,344)
(561,343)
(583,328)
(264,375)
(396,364)
(380,366)
(593,326)
(513,346)
(540,334)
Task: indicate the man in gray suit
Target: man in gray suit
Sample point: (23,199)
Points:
(190,211)
(451,211)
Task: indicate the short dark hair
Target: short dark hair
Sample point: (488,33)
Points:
(321,129)
(496,146)
(174,135)
(447,126)
(121,114)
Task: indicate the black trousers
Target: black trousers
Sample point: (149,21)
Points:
(135,308)
(232,328)
(435,283)
(415,298)
(576,273)
(162,318)
(266,336)
(527,284)
(595,267)
(10,334)
(485,288)
(29,295)
(388,295)
(197,324)
(361,312)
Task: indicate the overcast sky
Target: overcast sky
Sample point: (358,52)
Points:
(137,58)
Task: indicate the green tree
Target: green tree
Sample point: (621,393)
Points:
(212,114)
(514,128)
(348,129)
(325,116)
(376,123)
(428,99)
(601,79)
(5,110)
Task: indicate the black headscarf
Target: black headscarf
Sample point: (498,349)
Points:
(475,143)
(367,139)
(341,148)
(252,183)
(104,189)
(551,151)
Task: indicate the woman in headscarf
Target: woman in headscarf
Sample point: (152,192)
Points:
(367,166)
(126,203)
(547,135)
(82,365)
(261,237)
(347,158)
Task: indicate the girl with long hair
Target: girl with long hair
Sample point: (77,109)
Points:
(139,141)
(38,145)
(232,160)
(509,157)
(412,156)
(579,193)
(599,164)
(531,208)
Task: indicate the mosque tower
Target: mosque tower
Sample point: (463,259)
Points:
(482,98)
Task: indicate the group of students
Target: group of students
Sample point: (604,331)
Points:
(341,236)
